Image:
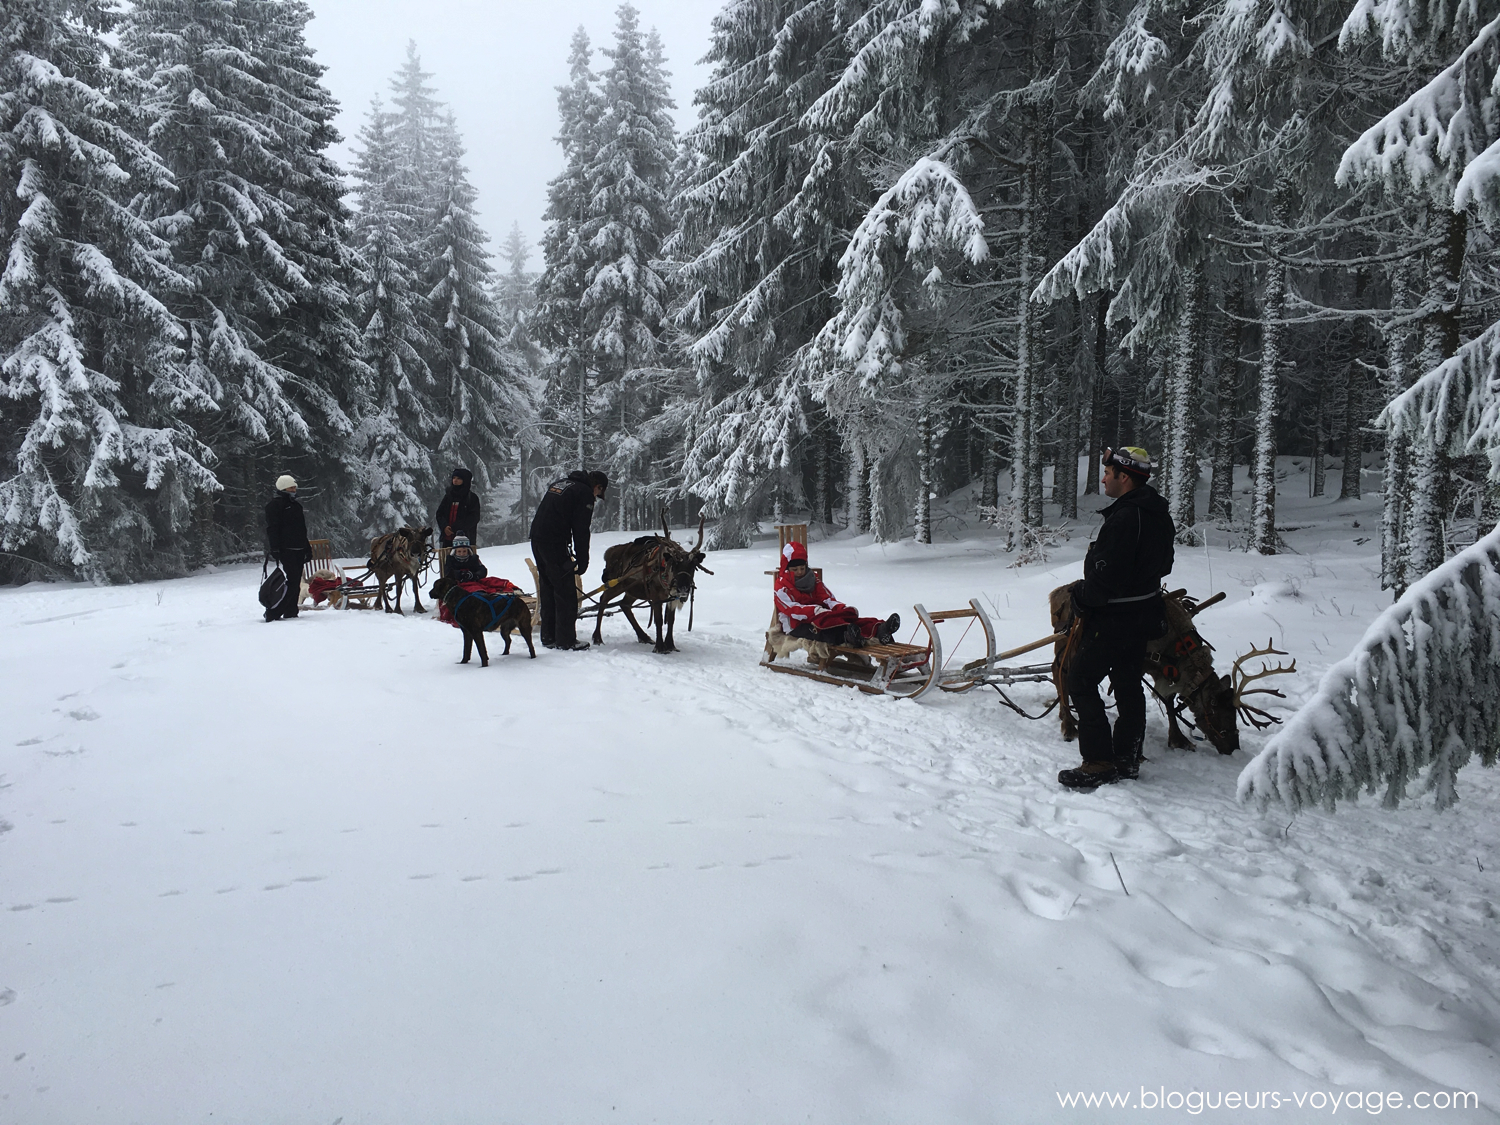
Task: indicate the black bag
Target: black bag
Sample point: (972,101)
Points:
(272,587)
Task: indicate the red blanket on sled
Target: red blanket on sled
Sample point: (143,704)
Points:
(486,588)
(320,588)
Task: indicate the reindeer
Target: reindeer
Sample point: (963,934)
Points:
(1180,665)
(655,569)
(400,555)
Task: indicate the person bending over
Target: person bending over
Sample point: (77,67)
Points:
(563,518)
(807,609)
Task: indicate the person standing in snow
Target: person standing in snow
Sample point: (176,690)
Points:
(463,562)
(806,609)
(286,542)
(458,511)
(1118,608)
(562,520)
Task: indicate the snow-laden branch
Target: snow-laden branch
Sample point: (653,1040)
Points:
(1420,692)
(925,212)
(1437,134)
(1456,404)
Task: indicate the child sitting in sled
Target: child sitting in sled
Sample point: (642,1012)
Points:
(463,562)
(808,611)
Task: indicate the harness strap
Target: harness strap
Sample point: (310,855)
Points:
(495,614)
(1137,598)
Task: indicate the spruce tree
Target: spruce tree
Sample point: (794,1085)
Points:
(627,219)
(398,429)
(98,468)
(252,210)
(482,397)
(568,259)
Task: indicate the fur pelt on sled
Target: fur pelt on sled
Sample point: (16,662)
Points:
(780,645)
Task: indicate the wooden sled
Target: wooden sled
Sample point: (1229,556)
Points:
(910,671)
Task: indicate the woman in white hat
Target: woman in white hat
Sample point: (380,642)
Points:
(286,540)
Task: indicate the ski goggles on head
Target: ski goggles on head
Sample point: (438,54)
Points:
(1132,460)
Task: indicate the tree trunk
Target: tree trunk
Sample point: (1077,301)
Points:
(924,479)
(1317,471)
(1096,398)
(1221,483)
(1433,474)
(1273,313)
(1181,415)
(1396,498)
(859,491)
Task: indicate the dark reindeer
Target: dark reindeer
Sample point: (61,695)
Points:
(655,569)
(400,555)
(1181,667)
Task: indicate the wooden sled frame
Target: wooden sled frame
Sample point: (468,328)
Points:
(912,671)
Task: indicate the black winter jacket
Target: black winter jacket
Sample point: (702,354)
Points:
(286,528)
(566,511)
(466,570)
(1131,554)
(465,518)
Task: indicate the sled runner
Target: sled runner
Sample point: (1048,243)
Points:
(911,670)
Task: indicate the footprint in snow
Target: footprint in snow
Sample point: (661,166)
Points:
(470,878)
(1042,898)
(170,894)
(428,875)
(84,714)
(274,887)
(309,878)
(62,899)
(658,866)
(22,906)
(30,742)
(8,996)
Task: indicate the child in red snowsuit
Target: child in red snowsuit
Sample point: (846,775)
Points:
(807,610)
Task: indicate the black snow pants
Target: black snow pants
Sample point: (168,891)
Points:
(1113,646)
(292,561)
(556,594)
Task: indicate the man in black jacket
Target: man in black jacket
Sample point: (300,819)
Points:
(286,541)
(458,511)
(563,516)
(1120,605)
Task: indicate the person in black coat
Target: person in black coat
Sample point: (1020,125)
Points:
(286,542)
(463,562)
(1119,602)
(458,511)
(562,519)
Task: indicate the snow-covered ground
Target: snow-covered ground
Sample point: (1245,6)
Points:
(316,871)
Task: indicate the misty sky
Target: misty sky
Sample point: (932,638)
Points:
(497,64)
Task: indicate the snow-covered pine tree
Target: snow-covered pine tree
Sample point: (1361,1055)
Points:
(240,121)
(315,338)
(483,396)
(625,297)
(398,428)
(1441,146)
(764,202)
(515,302)
(1419,694)
(100,471)
(558,323)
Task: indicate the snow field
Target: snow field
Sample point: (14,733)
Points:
(317,870)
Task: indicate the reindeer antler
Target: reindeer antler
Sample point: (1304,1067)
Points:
(1255,716)
(665,530)
(699,545)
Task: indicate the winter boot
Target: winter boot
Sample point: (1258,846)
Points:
(852,637)
(885,632)
(576,646)
(1090,775)
(1129,769)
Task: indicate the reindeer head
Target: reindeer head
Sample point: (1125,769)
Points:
(685,564)
(1213,706)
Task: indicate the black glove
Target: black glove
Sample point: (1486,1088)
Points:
(1079,610)
(581,566)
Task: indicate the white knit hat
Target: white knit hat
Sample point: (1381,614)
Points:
(285,481)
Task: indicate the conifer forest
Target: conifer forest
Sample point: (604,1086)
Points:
(909,247)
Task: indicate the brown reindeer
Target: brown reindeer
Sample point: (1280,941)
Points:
(400,555)
(655,569)
(1181,670)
